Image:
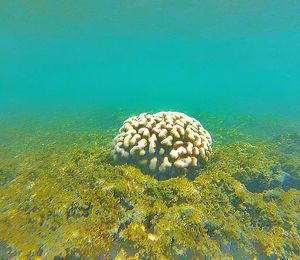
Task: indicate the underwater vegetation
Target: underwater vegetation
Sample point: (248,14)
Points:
(61,196)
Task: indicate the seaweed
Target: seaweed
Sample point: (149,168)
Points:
(61,197)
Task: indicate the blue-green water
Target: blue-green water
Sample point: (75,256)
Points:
(72,71)
(213,56)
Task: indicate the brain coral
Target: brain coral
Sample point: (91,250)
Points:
(166,142)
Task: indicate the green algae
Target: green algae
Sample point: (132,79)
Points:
(60,195)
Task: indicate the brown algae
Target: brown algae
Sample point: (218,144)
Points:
(66,198)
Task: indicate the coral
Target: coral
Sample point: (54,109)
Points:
(167,142)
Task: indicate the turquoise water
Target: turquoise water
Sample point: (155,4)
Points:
(218,57)
(71,72)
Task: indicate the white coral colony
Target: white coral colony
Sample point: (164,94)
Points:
(165,142)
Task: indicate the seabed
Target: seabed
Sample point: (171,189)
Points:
(61,196)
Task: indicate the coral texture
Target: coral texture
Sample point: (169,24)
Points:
(165,142)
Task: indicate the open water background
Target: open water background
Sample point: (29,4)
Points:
(230,58)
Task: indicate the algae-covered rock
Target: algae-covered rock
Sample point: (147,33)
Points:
(68,200)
